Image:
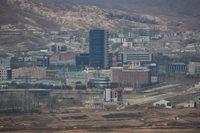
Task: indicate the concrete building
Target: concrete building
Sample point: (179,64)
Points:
(31,72)
(100,83)
(3,86)
(114,57)
(82,60)
(154,79)
(99,74)
(140,39)
(130,75)
(190,104)
(194,68)
(5,71)
(81,77)
(50,74)
(197,86)
(42,62)
(107,95)
(118,40)
(163,103)
(136,56)
(63,56)
(95,74)
(176,68)
(98,50)
(62,63)
(128,45)
(153,67)
(116,94)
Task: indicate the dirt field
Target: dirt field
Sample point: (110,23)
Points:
(138,117)
(130,120)
(124,131)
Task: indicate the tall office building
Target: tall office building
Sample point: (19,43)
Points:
(5,71)
(98,48)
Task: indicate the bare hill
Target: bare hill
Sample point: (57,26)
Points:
(185,11)
(48,16)
(72,16)
(184,7)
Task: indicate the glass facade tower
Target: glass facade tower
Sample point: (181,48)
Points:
(98,56)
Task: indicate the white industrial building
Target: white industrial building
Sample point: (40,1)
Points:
(118,40)
(194,68)
(154,79)
(72,79)
(136,56)
(197,86)
(128,44)
(190,104)
(63,62)
(163,103)
(142,39)
(92,73)
(107,95)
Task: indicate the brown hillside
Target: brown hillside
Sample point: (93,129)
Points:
(185,11)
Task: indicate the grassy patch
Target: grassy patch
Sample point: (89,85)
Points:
(164,87)
(197,99)
(119,107)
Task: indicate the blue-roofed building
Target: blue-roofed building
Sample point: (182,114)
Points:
(153,68)
(43,61)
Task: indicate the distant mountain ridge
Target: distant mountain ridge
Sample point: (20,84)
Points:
(184,11)
(139,5)
(83,15)
(49,16)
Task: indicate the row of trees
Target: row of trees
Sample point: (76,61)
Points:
(41,86)
(149,84)
(130,18)
(163,59)
(78,86)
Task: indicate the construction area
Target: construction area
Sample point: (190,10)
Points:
(61,111)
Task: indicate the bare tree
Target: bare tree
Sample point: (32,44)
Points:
(14,101)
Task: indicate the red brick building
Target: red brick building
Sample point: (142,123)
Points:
(130,76)
(116,94)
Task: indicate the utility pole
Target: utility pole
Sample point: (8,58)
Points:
(25,91)
(82,66)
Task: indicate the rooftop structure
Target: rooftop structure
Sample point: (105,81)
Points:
(190,104)
(163,103)
(194,68)
(175,68)
(137,56)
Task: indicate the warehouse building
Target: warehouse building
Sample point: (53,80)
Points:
(194,68)
(176,68)
(190,104)
(130,75)
(136,56)
(163,103)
